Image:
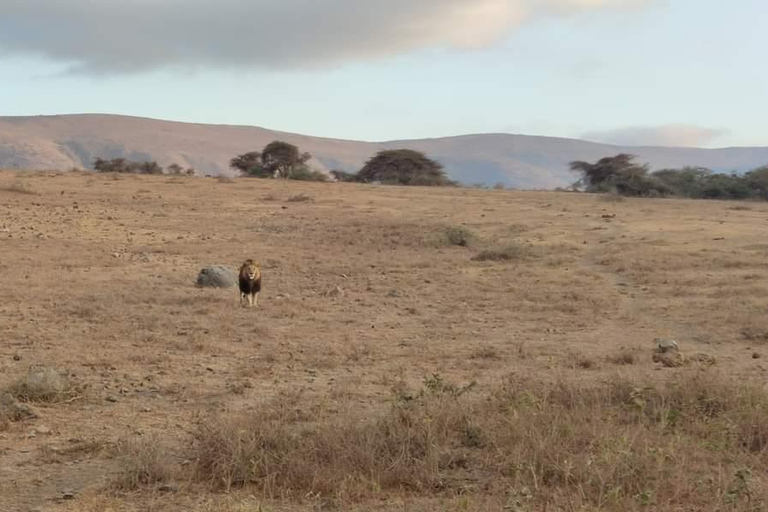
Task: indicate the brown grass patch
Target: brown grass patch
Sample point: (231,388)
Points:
(619,446)
(42,384)
(143,463)
(19,187)
(301,198)
(458,236)
(623,357)
(510,252)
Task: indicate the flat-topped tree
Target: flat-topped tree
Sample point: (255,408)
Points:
(403,167)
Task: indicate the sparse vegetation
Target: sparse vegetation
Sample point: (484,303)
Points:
(143,463)
(321,386)
(301,198)
(458,236)
(42,384)
(19,187)
(121,165)
(509,252)
(607,446)
(623,357)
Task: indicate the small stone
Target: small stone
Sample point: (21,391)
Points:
(756,355)
(111,399)
(17,357)
(42,429)
(68,495)
(168,488)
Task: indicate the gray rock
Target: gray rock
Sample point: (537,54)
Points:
(664,345)
(216,276)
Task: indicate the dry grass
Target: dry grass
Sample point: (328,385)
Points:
(19,187)
(142,463)
(509,252)
(458,236)
(573,316)
(42,384)
(301,198)
(696,441)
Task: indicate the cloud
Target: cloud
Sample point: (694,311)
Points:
(119,36)
(676,135)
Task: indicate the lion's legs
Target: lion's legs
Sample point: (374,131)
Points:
(256,299)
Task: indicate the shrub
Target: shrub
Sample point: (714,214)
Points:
(142,463)
(507,253)
(459,236)
(121,165)
(42,384)
(300,198)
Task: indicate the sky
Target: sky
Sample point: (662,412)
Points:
(635,72)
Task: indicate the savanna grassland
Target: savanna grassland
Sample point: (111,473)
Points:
(415,349)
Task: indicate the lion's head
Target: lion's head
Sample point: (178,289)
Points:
(250,270)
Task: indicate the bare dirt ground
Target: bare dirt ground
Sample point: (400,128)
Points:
(98,279)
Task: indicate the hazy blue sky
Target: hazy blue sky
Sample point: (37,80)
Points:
(674,72)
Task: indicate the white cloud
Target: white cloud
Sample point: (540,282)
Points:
(676,135)
(118,36)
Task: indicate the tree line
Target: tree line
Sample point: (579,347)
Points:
(122,165)
(281,159)
(621,175)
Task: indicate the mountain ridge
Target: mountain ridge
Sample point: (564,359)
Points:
(523,161)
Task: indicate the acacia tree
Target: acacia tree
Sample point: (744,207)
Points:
(249,164)
(403,167)
(278,159)
(619,174)
(283,159)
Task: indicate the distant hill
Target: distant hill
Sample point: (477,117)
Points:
(521,161)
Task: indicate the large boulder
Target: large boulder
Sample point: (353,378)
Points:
(216,276)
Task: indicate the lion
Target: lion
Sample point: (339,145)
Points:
(250,283)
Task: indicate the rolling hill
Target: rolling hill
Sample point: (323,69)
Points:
(67,141)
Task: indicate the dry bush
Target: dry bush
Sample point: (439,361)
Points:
(458,236)
(623,357)
(301,198)
(42,384)
(337,455)
(509,252)
(755,334)
(143,463)
(622,445)
(485,352)
(611,197)
(19,187)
